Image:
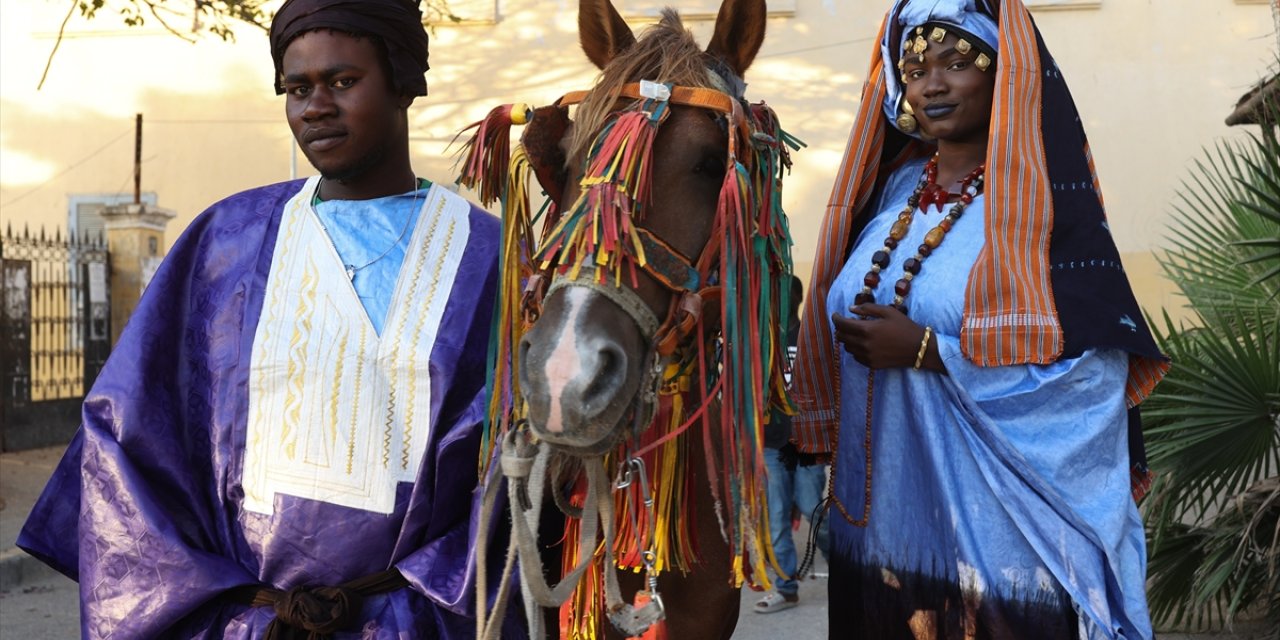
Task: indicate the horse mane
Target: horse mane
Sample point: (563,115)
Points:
(665,52)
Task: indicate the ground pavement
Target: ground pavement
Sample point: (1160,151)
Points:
(37,603)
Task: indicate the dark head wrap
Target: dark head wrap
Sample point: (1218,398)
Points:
(397,23)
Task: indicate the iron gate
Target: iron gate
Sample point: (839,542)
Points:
(55,333)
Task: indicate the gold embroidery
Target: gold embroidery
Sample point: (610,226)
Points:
(413,295)
(418,330)
(297,360)
(270,309)
(335,391)
(355,393)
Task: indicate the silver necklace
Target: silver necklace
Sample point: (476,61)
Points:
(351,269)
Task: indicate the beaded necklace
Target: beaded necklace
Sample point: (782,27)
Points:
(926,193)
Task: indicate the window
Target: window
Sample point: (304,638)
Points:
(84,215)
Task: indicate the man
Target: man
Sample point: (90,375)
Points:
(796,482)
(284,440)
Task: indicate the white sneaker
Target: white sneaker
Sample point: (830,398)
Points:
(775,602)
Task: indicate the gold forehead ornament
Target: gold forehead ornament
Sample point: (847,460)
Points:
(938,34)
(963,46)
(982,62)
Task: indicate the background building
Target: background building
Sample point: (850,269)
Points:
(1153,81)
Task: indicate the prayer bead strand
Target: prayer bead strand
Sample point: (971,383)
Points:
(926,193)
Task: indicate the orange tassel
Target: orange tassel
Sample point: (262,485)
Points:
(656,631)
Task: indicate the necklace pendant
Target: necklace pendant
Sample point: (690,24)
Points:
(351,272)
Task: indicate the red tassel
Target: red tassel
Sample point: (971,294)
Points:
(488,152)
(656,631)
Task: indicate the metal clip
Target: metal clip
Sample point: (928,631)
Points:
(624,477)
(638,465)
(654,91)
(649,558)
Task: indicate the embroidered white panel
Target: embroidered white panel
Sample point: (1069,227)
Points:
(337,413)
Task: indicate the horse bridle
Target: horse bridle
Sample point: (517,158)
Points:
(690,282)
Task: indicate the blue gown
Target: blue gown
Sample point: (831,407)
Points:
(146,510)
(1000,496)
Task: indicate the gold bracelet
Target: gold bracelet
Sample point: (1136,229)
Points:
(924,346)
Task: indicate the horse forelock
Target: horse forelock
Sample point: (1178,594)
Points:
(665,52)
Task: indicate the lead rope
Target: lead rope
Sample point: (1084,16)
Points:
(524,464)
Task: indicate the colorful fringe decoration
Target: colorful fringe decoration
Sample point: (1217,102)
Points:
(599,228)
(738,357)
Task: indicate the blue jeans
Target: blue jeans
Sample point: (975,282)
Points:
(802,489)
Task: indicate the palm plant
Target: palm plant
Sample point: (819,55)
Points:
(1213,425)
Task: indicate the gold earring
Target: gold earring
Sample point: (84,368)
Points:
(906,120)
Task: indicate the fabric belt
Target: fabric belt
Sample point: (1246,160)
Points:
(313,613)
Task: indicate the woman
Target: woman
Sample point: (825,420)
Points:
(971,350)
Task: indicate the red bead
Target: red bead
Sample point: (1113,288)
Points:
(902,287)
(911,266)
(872,280)
(864,298)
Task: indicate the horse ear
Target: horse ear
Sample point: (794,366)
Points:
(739,33)
(603,33)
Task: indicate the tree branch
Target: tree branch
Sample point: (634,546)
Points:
(56,43)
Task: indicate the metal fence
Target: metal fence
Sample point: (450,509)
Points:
(55,333)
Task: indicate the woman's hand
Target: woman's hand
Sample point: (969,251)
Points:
(885,339)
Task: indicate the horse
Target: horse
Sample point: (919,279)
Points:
(650,304)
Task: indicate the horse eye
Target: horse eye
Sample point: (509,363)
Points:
(710,165)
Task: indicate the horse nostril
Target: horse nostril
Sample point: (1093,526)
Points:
(607,376)
(607,362)
(533,381)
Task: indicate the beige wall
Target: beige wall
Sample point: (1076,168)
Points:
(1153,81)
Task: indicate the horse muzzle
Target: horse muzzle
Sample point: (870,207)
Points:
(582,366)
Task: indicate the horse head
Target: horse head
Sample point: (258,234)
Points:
(589,364)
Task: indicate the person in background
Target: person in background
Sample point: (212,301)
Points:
(796,482)
(972,345)
(283,442)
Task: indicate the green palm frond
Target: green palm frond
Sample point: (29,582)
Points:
(1226,211)
(1213,424)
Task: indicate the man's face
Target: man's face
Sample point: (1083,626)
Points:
(341,105)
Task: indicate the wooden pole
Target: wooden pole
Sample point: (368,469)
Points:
(137,160)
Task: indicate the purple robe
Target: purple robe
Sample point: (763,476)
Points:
(146,508)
